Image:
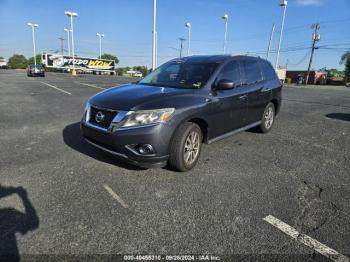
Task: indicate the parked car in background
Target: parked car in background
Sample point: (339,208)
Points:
(38,70)
(138,74)
(132,73)
(165,117)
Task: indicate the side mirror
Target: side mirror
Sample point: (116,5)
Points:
(224,84)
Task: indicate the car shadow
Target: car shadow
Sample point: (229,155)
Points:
(72,137)
(339,116)
(13,221)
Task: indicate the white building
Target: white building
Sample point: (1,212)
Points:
(3,63)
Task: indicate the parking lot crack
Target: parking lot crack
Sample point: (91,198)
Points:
(315,212)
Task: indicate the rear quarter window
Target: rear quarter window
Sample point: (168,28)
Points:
(267,71)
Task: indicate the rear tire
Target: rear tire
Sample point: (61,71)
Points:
(185,147)
(268,118)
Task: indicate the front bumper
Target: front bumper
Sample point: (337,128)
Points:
(119,142)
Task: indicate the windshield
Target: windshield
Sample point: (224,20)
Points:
(37,66)
(180,75)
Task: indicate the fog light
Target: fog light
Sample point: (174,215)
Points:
(145,149)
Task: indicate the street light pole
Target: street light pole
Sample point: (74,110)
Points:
(100,35)
(156,56)
(270,41)
(181,45)
(71,15)
(225,17)
(61,39)
(154,36)
(284,4)
(188,25)
(33,36)
(68,38)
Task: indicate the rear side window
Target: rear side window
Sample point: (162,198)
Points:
(267,70)
(231,72)
(252,71)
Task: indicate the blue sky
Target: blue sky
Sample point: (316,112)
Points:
(127,25)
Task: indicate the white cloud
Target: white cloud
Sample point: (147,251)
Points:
(309,2)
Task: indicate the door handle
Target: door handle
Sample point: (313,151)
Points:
(242,97)
(266,89)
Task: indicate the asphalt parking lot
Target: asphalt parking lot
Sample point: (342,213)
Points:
(83,201)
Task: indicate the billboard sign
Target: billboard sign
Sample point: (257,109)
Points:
(83,63)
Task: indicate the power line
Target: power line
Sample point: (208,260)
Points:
(301,60)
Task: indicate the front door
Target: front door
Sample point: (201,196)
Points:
(228,107)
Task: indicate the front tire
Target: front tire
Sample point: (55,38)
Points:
(268,118)
(185,147)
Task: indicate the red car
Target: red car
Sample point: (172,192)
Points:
(37,70)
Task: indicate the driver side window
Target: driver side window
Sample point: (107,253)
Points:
(231,72)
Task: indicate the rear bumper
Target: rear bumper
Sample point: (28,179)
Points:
(37,74)
(120,142)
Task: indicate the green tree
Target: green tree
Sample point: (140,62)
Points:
(334,72)
(347,70)
(110,57)
(17,61)
(1,57)
(122,70)
(142,69)
(31,60)
(119,71)
(345,59)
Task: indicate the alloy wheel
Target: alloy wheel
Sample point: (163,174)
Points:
(269,117)
(191,147)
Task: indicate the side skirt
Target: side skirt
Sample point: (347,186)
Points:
(233,132)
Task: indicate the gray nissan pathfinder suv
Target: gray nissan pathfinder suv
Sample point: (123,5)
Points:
(165,117)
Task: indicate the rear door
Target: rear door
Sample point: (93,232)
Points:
(257,90)
(228,107)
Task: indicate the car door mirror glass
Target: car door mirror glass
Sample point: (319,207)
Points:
(224,84)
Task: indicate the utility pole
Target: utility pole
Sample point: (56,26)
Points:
(61,39)
(270,41)
(181,45)
(315,38)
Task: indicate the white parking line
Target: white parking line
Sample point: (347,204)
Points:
(55,87)
(306,240)
(90,85)
(115,196)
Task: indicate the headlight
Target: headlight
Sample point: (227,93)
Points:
(146,117)
(87,112)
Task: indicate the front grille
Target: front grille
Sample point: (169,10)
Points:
(104,122)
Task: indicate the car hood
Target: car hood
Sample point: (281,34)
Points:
(139,97)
